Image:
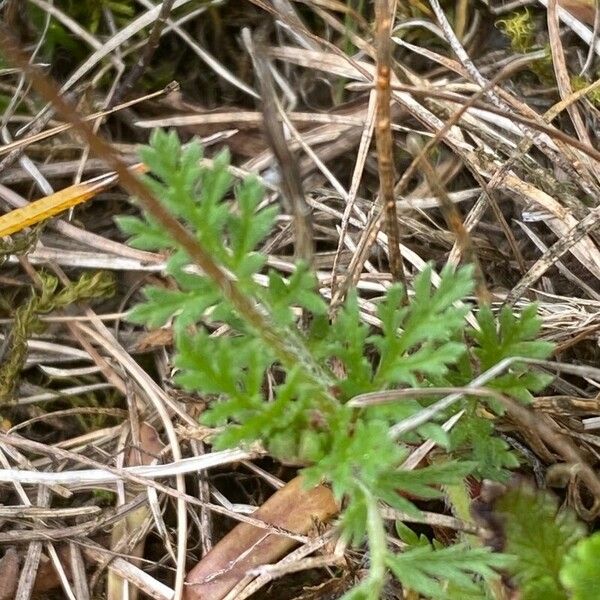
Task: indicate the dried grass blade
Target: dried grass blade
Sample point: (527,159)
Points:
(561,72)
(51,205)
(291,184)
(150,446)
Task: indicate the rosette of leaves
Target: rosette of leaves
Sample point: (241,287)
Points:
(303,415)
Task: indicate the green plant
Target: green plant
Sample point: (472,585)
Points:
(551,559)
(49,297)
(306,417)
(579,573)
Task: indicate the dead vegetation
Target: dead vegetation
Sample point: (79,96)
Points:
(486,152)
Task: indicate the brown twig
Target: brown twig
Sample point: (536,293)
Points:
(475,101)
(588,224)
(385,153)
(293,507)
(561,72)
(550,433)
(146,55)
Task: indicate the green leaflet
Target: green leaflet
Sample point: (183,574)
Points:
(474,437)
(510,336)
(425,569)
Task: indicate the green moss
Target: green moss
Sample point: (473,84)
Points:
(520,29)
(49,297)
(578,83)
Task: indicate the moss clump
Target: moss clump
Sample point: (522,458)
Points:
(520,29)
(578,83)
(49,297)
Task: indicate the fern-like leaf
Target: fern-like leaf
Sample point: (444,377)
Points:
(427,570)
(539,535)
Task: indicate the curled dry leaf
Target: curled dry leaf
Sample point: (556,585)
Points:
(293,508)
